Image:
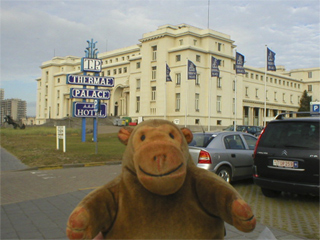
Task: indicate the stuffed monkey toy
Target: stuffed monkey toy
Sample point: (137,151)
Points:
(160,193)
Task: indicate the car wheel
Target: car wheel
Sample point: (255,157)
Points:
(225,173)
(270,193)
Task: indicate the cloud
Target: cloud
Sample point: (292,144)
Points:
(35,31)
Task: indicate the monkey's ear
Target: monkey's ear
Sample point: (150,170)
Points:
(187,134)
(124,134)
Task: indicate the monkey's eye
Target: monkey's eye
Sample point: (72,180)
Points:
(171,135)
(143,137)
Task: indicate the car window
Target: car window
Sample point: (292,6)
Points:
(251,141)
(201,140)
(291,135)
(233,142)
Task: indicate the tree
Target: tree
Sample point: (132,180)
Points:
(304,102)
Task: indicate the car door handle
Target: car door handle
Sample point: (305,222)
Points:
(233,155)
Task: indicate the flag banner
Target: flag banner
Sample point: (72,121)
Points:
(214,67)
(192,70)
(168,78)
(270,60)
(239,64)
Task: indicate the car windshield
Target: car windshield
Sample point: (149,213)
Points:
(201,139)
(291,135)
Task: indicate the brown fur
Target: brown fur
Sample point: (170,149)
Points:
(160,193)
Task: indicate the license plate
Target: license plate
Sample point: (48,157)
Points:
(285,164)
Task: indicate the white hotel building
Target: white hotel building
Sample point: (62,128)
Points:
(141,89)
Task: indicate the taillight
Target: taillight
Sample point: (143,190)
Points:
(204,157)
(255,148)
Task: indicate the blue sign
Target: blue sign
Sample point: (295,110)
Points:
(90,80)
(315,108)
(89,93)
(83,109)
(91,65)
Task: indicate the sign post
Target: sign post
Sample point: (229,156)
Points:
(84,109)
(61,134)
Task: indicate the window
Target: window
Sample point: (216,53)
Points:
(120,70)
(178,58)
(181,42)
(251,141)
(153,93)
(138,65)
(138,104)
(114,71)
(219,122)
(233,142)
(154,72)
(47,76)
(218,103)
(138,83)
(219,47)
(198,58)
(309,88)
(233,85)
(177,102)
(275,96)
(309,74)
(283,97)
(291,98)
(125,69)
(195,42)
(178,78)
(154,53)
(58,80)
(218,82)
(197,81)
(233,105)
(46,90)
(246,91)
(197,97)
(58,109)
(257,90)
(58,94)
(153,111)
(267,94)
(108,72)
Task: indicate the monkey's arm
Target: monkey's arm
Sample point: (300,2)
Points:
(95,213)
(220,199)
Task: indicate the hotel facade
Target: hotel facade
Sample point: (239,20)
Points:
(141,89)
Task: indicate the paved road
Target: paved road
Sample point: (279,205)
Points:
(35,204)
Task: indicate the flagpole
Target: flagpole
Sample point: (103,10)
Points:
(165,94)
(265,87)
(185,118)
(209,96)
(235,99)
(235,104)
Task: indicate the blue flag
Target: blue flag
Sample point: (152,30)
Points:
(168,78)
(239,63)
(215,72)
(192,70)
(270,60)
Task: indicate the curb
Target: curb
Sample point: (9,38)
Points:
(76,165)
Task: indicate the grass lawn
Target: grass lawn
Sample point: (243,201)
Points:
(36,146)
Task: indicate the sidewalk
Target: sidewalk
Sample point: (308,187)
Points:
(36,204)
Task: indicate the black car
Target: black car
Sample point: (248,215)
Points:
(286,156)
(254,130)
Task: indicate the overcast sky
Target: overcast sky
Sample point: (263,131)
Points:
(35,31)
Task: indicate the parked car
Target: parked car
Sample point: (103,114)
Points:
(286,157)
(254,130)
(228,154)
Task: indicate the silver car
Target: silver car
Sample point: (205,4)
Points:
(228,154)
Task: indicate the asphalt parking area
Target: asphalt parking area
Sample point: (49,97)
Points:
(296,214)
